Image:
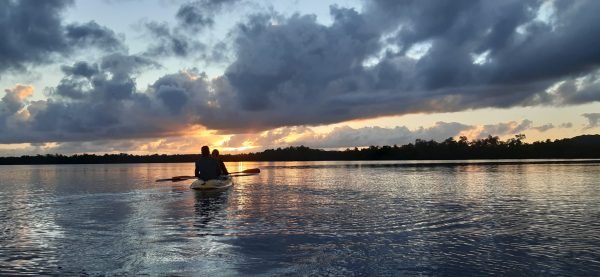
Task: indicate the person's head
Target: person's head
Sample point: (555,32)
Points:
(205,151)
(215,153)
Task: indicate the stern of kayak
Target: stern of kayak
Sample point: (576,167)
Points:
(220,183)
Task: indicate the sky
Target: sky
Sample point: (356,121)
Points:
(168,76)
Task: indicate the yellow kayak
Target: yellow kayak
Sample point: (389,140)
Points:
(223,182)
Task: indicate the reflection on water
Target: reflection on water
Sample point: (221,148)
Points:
(209,205)
(308,218)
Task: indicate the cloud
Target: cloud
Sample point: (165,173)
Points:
(522,46)
(92,102)
(366,136)
(13,112)
(346,136)
(92,34)
(574,90)
(544,128)
(273,138)
(593,120)
(170,42)
(82,69)
(505,128)
(14,98)
(33,33)
(109,80)
(198,15)
(566,125)
(167,145)
(299,72)
(182,40)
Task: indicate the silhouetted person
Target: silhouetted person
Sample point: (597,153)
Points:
(215,154)
(207,167)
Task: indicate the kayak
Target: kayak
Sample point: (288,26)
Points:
(221,183)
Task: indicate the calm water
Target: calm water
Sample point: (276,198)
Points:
(310,218)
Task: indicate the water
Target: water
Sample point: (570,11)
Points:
(303,218)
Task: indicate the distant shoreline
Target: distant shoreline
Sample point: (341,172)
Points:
(579,149)
(388,163)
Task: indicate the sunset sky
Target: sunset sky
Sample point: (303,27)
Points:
(169,76)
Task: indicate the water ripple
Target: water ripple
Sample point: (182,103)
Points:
(303,219)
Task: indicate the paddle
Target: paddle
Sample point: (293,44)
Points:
(246,172)
(177,179)
(242,174)
(250,171)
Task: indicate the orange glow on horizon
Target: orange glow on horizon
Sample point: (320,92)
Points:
(236,149)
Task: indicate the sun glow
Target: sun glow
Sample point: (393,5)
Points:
(237,149)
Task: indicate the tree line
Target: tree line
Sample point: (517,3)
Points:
(491,147)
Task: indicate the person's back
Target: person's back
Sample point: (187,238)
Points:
(215,154)
(207,168)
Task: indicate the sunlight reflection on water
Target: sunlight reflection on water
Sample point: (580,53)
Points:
(308,218)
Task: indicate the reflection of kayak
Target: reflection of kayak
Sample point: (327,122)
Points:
(223,182)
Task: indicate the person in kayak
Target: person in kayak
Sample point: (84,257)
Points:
(215,154)
(207,167)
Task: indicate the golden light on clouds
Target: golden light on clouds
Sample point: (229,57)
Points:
(20,92)
(471,134)
(192,76)
(236,149)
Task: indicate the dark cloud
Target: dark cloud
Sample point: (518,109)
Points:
(182,39)
(173,42)
(198,15)
(82,69)
(193,16)
(92,34)
(295,71)
(298,71)
(33,33)
(170,42)
(76,81)
(101,101)
(579,90)
(521,47)
(593,120)
(93,102)
(122,65)
(108,81)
